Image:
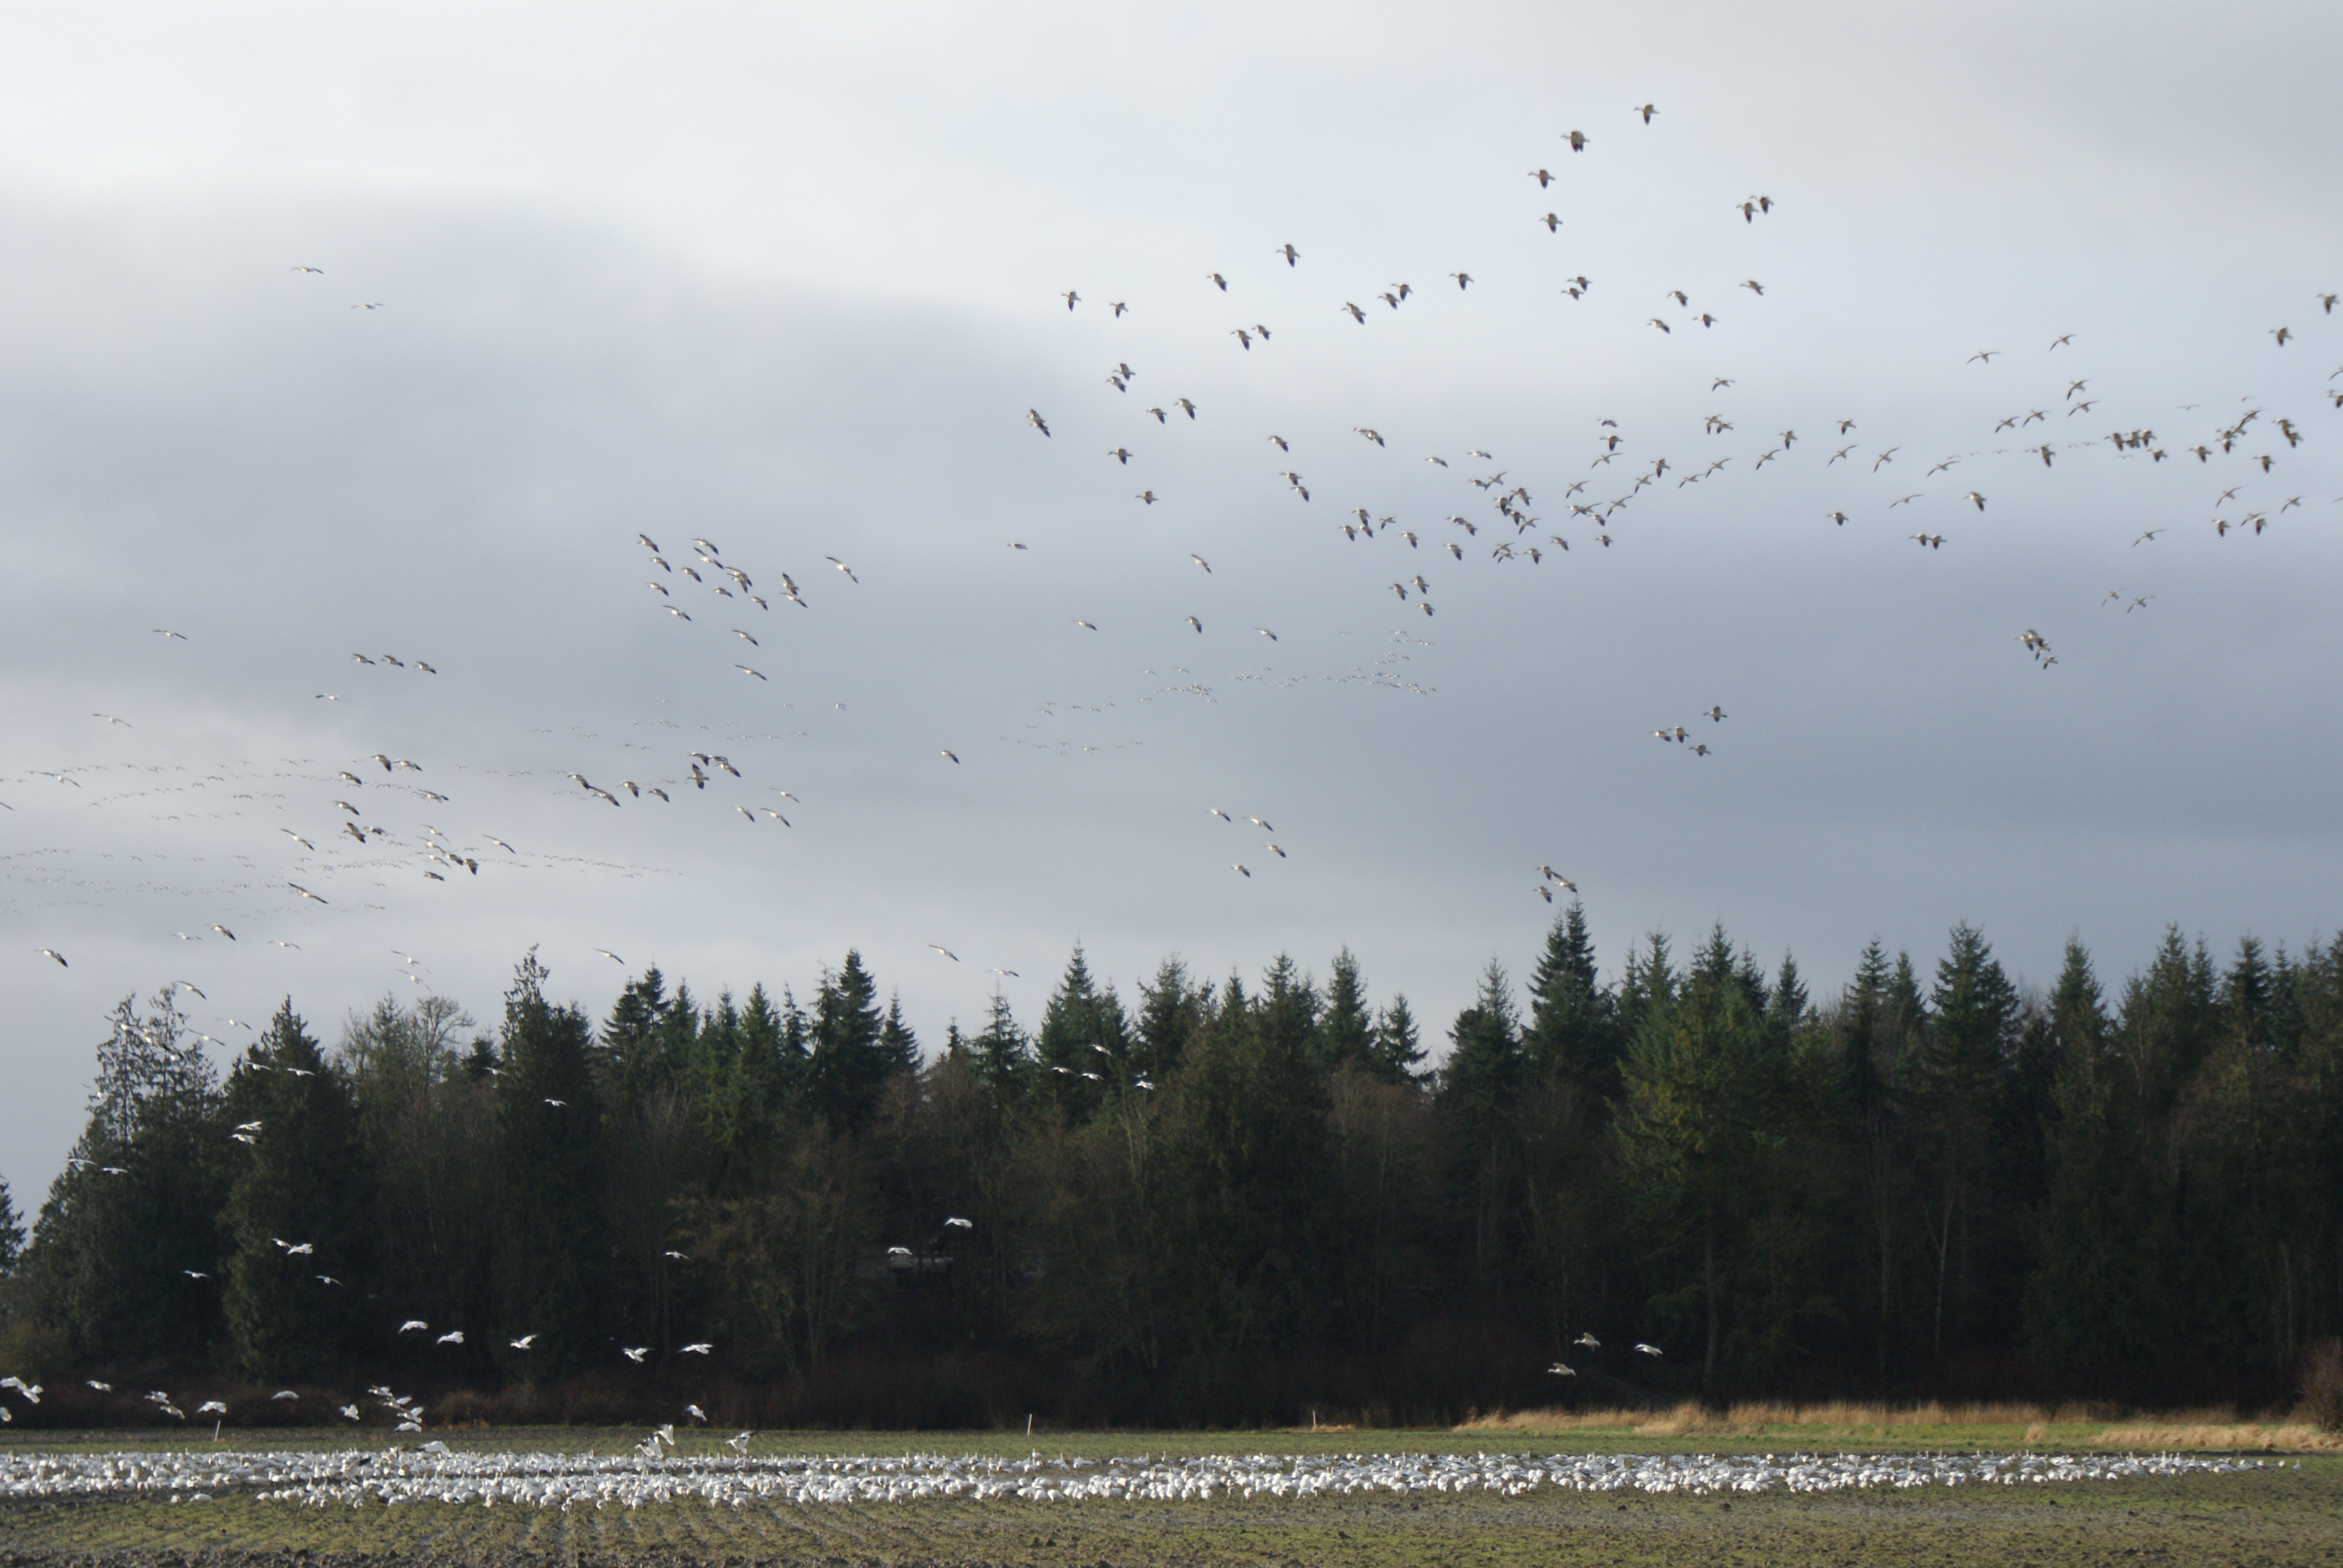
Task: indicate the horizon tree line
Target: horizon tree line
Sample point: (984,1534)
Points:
(1166,1193)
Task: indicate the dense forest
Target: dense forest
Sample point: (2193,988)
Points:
(1224,1201)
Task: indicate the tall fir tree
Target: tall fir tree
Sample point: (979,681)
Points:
(2093,1293)
(1397,1054)
(554,1244)
(1346,1025)
(1573,1023)
(1083,1046)
(1695,1112)
(12,1232)
(852,1058)
(304,1183)
(126,1247)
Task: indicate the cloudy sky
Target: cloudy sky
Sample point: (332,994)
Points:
(787,282)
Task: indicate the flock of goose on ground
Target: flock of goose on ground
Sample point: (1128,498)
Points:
(437,1474)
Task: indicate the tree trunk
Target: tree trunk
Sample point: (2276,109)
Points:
(1708,1285)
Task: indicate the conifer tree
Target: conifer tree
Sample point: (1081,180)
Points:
(136,1212)
(12,1232)
(1002,1057)
(1478,1086)
(1083,1042)
(2093,1293)
(851,1059)
(1695,1112)
(1345,1024)
(1170,1010)
(1397,1054)
(553,1235)
(1574,1025)
(303,1183)
(1954,1081)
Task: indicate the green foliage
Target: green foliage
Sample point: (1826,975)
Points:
(855,1049)
(1239,1195)
(552,1243)
(301,1185)
(1574,1027)
(12,1232)
(133,1219)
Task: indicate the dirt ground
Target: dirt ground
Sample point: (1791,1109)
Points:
(2271,1518)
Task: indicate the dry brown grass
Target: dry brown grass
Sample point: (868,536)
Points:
(2181,1433)
(2072,1425)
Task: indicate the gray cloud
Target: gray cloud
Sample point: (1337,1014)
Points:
(792,289)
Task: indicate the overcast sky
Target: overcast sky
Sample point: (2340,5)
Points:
(787,283)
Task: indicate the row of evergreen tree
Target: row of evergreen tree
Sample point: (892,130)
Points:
(1208,1175)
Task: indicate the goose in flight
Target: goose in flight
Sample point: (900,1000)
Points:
(1070,296)
(1355,313)
(1663,325)
(413,1325)
(2066,338)
(1240,869)
(1194,625)
(305,892)
(1973,495)
(1578,140)
(165,631)
(1982,354)
(1371,435)
(954,760)
(60,958)
(524,1343)
(1291,255)
(1218,281)
(1118,306)
(1644,1350)
(1202,562)
(841,565)
(2145,537)
(1266,632)
(1558,1368)
(1552,222)
(2281,334)
(1086,626)
(1647,111)
(452,1336)
(635,1353)
(1033,418)
(946,952)
(1754,287)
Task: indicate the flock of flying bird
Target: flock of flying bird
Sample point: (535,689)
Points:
(1523,536)
(1536,523)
